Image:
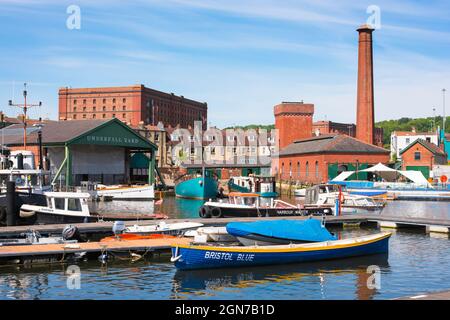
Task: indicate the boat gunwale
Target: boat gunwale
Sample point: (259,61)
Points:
(318,246)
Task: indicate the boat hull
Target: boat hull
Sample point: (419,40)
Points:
(230,212)
(130,193)
(204,257)
(197,188)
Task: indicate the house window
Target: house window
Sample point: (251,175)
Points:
(428,139)
(417,155)
(84,109)
(84,101)
(75,101)
(290,169)
(113,115)
(317,169)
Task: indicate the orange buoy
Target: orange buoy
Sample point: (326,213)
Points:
(443,178)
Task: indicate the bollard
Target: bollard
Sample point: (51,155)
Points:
(11,213)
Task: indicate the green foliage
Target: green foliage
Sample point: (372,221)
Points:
(406,124)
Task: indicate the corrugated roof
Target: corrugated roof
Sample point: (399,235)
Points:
(333,143)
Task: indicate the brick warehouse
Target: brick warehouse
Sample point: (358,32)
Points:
(130,104)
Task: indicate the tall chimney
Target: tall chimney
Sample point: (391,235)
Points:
(365,121)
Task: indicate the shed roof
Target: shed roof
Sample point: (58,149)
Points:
(434,149)
(102,132)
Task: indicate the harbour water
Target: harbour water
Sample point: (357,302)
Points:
(416,263)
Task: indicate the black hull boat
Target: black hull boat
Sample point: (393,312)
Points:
(253,205)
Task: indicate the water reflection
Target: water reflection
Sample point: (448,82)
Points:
(418,209)
(208,282)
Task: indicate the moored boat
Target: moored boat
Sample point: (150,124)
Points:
(163,228)
(125,192)
(71,207)
(262,185)
(253,205)
(197,187)
(187,257)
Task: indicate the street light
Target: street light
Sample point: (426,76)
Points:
(434,118)
(443,104)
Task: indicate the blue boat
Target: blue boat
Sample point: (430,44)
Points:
(186,257)
(279,232)
(202,187)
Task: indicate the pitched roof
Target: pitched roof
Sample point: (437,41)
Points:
(332,143)
(428,145)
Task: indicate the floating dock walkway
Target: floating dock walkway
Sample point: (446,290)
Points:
(46,253)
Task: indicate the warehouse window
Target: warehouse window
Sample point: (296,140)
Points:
(104,108)
(94,116)
(75,101)
(317,169)
(124,100)
(94,101)
(74,116)
(104,100)
(104,116)
(307,169)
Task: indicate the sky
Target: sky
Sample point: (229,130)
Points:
(242,57)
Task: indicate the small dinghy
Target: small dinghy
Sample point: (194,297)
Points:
(279,232)
(187,257)
(163,228)
(70,234)
(211,234)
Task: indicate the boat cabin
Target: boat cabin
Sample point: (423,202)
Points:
(34,180)
(75,203)
(264,185)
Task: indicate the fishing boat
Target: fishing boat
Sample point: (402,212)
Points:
(163,228)
(272,232)
(71,207)
(186,257)
(202,186)
(262,185)
(253,205)
(126,192)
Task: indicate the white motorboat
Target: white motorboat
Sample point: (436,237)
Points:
(325,196)
(72,207)
(163,228)
(126,192)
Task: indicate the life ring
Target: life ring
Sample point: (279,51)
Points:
(216,212)
(204,212)
(443,178)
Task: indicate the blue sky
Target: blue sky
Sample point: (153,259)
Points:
(242,57)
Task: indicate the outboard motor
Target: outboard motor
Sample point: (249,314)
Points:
(71,233)
(118,227)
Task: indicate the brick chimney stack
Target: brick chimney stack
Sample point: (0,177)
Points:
(365,120)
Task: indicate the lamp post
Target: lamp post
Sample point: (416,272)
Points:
(434,119)
(443,104)
(25,107)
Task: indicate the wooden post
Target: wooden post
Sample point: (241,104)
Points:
(11,214)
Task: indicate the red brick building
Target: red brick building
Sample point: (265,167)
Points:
(330,127)
(318,159)
(130,104)
(293,121)
(422,155)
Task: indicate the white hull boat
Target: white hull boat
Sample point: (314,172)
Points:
(119,192)
(163,228)
(211,234)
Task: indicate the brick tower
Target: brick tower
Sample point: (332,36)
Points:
(365,102)
(293,121)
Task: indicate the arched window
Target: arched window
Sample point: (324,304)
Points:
(317,169)
(298,169)
(306,169)
(290,169)
(282,169)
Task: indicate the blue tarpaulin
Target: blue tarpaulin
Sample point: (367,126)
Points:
(310,230)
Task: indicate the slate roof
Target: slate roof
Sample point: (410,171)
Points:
(52,132)
(332,143)
(428,145)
